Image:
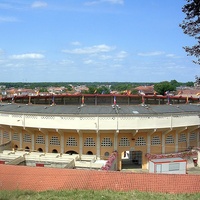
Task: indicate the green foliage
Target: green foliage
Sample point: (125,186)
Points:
(134,91)
(189,84)
(69,88)
(95,195)
(103,90)
(43,90)
(175,83)
(164,86)
(92,89)
(121,87)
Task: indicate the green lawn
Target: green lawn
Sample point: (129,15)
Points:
(93,195)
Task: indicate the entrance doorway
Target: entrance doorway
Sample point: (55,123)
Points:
(131,160)
(71,152)
(89,153)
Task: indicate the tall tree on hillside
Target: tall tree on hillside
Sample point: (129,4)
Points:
(191,26)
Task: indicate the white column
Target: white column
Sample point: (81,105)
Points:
(98,145)
(176,142)
(62,143)
(148,143)
(33,141)
(20,140)
(163,143)
(46,143)
(188,139)
(116,140)
(80,142)
(198,138)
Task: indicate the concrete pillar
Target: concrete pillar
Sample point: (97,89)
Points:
(20,140)
(188,139)
(148,143)
(10,135)
(33,141)
(116,140)
(62,145)
(80,142)
(46,143)
(98,146)
(198,138)
(163,143)
(176,142)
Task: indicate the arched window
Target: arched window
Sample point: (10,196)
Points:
(106,142)
(193,136)
(15,136)
(40,139)
(182,137)
(54,140)
(124,142)
(27,138)
(140,141)
(155,140)
(169,139)
(71,142)
(89,142)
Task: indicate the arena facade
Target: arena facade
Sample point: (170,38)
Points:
(134,131)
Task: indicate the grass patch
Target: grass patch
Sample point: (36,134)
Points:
(94,195)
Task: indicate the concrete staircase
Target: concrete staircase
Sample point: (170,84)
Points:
(16,161)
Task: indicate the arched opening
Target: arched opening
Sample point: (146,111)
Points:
(15,147)
(40,150)
(89,153)
(71,152)
(27,148)
(54,151)
(131,160)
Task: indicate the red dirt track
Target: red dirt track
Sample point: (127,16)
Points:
(41,179)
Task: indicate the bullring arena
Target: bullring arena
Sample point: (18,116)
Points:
(79,134)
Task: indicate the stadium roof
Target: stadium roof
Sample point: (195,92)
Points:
(100,109)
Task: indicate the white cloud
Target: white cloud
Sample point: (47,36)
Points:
(76,43)
(39,4)
(104,1)
(114,1)
(121,55)
(172,55)
(8,19)
(66,62)
(27,56)
(88,62)
(154,53)
(105,57)
(91,50)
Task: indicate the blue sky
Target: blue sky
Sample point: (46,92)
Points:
(94,40)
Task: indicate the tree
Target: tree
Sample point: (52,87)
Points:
(191,26)
(163,87)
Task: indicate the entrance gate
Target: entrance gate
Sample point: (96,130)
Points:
(131,160)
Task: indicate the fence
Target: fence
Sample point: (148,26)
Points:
(41,179)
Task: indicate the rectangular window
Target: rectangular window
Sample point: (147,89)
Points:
(174,166)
